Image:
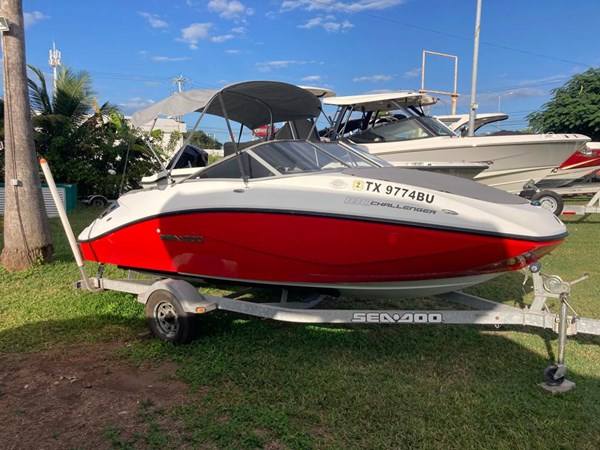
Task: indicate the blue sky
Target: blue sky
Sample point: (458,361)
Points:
(135,49)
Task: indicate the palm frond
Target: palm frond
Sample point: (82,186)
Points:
(38,93)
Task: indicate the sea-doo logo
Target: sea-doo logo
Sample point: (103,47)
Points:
(382,317)
(173,237)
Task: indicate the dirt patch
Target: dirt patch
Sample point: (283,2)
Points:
(73,398)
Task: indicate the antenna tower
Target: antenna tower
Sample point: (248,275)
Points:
(54,61)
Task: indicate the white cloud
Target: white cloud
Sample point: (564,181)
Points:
(135,103)
(412,73)
(222,38)
(158,58)
(311,23)
(229,9)
(525,92)
(373,78)
(266,66)
(328,23)
(232,52)
(31,18)
(337,26)
(332,5)
(496,100)
(154,20)
(194,33)
(170,59)
(312,78)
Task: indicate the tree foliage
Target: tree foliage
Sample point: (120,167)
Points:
(85,143)
(201,139)
(574,108)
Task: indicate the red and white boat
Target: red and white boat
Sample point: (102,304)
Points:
(580,165)
(324,216)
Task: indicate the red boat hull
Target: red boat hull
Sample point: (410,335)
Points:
(578,159)
(290,248)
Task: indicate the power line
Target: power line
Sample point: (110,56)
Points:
(452,35)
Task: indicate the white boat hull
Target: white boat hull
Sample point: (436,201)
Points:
(512,160)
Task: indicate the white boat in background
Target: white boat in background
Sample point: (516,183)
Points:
(393,126)
(580,165)
(459,123)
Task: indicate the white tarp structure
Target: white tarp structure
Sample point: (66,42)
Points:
(273,102)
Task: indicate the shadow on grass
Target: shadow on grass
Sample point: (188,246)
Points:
(45,334)
(327,386)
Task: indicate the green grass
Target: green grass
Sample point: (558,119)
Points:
(257,383)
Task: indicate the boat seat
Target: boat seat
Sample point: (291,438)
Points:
(229,147)
(298,129)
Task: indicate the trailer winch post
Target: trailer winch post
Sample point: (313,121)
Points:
(562,328)
(65,222)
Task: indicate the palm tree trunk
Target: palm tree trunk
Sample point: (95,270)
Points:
(27,238)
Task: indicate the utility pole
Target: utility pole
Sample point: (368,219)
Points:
(474,105)
(179,81)
(54,61)
(27,238)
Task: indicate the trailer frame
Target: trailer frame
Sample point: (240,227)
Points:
(172,304)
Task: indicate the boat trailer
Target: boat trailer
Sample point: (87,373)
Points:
(591,207)
(172,305)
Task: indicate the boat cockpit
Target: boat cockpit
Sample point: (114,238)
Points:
(286,157)
(407,128)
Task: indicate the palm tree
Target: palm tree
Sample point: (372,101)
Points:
(59,121)
(84,143)
(27,238)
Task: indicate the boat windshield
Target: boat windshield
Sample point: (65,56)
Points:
(304,156)
(403,130)
(274,158)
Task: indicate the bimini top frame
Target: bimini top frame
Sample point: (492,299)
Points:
(251,104)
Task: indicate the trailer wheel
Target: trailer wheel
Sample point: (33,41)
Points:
(550,200)
(167,319)
(549,373)
(98,201)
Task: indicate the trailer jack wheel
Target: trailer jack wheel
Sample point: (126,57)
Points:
(555,374)
(167,319)
(550,200)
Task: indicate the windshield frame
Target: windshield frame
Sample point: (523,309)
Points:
(298,153)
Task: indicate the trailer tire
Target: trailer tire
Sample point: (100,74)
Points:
(549,376)
(551,201)
(167,319)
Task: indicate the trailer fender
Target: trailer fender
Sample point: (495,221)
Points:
(192,301)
